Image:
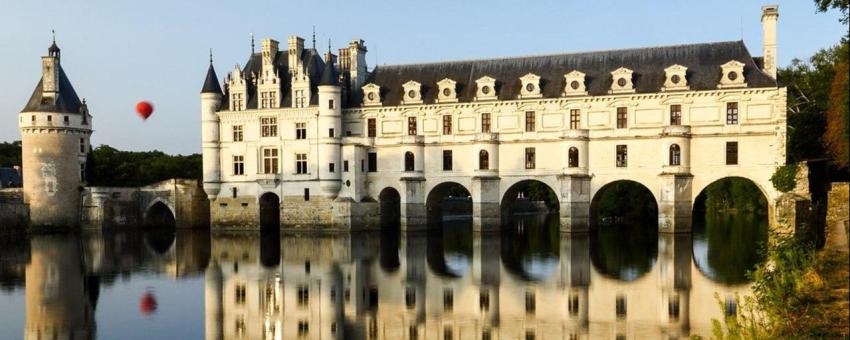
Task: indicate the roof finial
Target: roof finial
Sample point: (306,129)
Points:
(252,43)
(329,45)
(314,37)
(54,35)
(211,57)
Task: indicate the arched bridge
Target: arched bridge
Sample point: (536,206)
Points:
(170,203)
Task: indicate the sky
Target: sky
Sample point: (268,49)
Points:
(117,53)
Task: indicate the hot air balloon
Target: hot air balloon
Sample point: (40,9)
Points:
(148,304)
(144,109)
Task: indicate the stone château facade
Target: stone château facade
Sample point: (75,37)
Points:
(324,141)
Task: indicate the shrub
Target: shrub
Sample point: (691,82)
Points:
(785,178)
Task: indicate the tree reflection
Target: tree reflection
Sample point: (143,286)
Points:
(624,251)
(726,245)
(530,245)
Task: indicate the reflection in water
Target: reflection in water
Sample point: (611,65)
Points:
(726,245)
(530,281)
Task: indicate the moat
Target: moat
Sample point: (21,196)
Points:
(528,281)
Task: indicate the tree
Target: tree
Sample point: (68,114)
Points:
(841,5)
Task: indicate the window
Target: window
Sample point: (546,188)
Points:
(484,300)
(529,121)
(573,304)
(240,326)
(675,155)
(673,308)
(237,102)
(299,98)
(411,126)
(483,160)
(300,130)
(485,123)
(622,156)
(731,307)
(622,117)
(530,303)
(67,120)
(331,167)
(373,162)
(307,198)
(731,153)
(447,124)
(575,119)
(303,328)
(447,160)
(344,166)
(331,104)
(676,114)
(485,334)
(331,133)
(238,135)
(409,164)
(621,307)
(238,165)
(530,335)
(301,163)
(240,294)
(303,295)
(410,298)
(732,113)
(270,161)
(529,158)
(269,127)
(264,100)
(448,300)
(82,145)
(412,333)
(372,127)
(572,157)
(447,333)
(33,118)
(49,119)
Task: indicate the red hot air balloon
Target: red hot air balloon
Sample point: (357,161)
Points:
(144,109)
(148,304)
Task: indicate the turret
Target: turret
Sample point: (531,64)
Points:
(55,129)
(211,96)
(330,129)
(769,16)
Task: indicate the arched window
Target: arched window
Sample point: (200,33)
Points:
(408,161)
(573,158)
(675,155)
(483,160)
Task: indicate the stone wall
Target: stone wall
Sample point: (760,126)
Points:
(114,207)
(240,212)
(14,213)
(837,216)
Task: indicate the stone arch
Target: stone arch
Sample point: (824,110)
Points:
(389,200)
(449,198)
(633,186)
(703,183)
(159,214)
(269,203)
(530,190)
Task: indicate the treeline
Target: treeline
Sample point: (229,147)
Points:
(107,166)
(10,154)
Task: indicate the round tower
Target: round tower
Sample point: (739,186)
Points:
(55,130)
(211,96)
(330,129)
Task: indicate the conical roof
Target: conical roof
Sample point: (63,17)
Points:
(329,75)
(211,84)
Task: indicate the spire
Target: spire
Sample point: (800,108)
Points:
(53,50)
(314,37)
(329,76)
(211,84)
(252,43)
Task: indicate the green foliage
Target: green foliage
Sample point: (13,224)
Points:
(734,194)
(734,244)
(10,154)
(111,167)
(537,191)
(626,201)
(841,5)
(784,178)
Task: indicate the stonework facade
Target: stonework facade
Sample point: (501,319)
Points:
(310,133)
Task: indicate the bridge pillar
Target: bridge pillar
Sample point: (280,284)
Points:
(575,203)
(675,259)
(674,205)
(575,275)
(486,265)
(486,214)
(414,216)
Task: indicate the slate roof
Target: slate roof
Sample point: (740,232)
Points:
(329,76)
(310,58)
(211,84)
(702,60)
(67,102)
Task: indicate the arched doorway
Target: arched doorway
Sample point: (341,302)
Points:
(390,208)
(269,211)
(624,237)
(730,226)
(159,215)
(528,197)
(449,201)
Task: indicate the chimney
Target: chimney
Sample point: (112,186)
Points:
(357,57)
(50,76)
(269,49)
(296,48)
(769,15)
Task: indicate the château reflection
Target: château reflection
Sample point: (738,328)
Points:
(528,282)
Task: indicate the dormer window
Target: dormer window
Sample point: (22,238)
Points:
(732,75)
(530,86)
(447,90)
(371,95)
(574,84)
(675,78)
(486,88)
(413,94)
(622,81)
